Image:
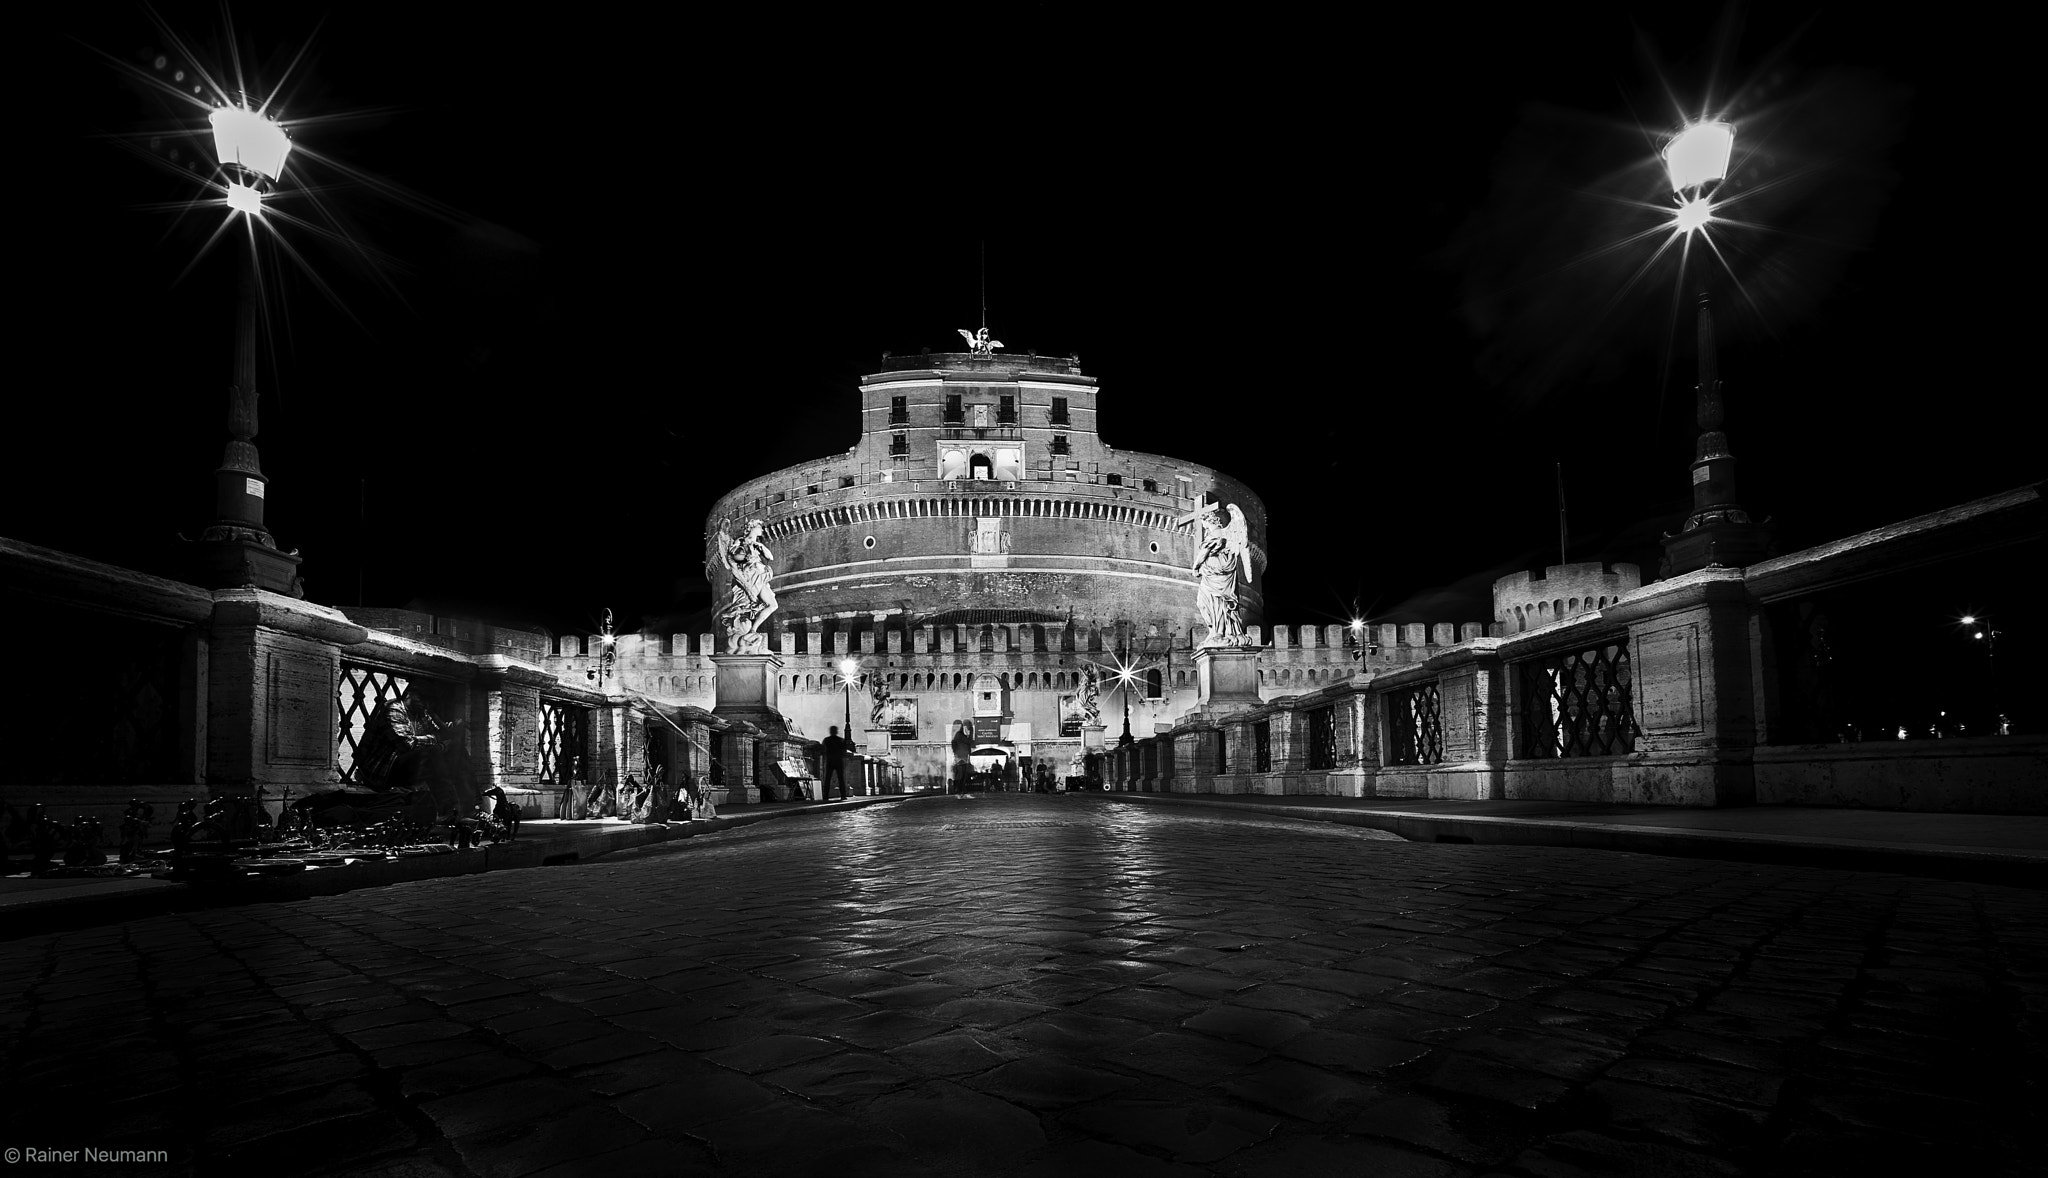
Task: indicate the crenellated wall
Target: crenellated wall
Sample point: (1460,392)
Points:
(1037,668)
(1524,601)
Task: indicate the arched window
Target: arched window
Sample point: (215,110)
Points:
(1154,684)
(953,465)
(980,467)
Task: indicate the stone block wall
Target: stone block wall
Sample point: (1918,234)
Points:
(1696,685)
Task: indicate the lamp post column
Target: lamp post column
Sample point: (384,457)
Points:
(237,550)
(1124,682)
(1718,531)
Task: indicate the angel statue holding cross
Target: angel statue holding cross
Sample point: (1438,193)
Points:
(1224,556)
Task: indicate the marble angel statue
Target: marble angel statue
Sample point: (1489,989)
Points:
(749,599)
(878,709)
(1225,556)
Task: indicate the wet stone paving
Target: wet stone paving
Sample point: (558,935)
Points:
(1048,986)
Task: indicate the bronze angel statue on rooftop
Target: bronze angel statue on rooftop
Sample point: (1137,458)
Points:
(979,344)
(749,599)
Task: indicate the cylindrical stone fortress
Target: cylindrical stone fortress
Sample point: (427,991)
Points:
(980,490)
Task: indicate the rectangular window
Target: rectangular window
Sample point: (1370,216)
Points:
(846,480)
(564,733)
(1059,444)
(1322,738)
(899,444)
(953,414)
(1222,751)
(1262,747)
(1114,480)
(357,695)
(1006,411)
(1415,726)
(811,490)
(1578,704)
(899,411)
(1059,411)
(1152,486)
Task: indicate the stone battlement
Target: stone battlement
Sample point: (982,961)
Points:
(1524,601)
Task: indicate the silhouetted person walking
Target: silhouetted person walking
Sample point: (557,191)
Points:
(835,765)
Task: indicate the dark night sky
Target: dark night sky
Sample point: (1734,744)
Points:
(1357,266)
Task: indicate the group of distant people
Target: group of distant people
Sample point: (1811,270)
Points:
(1037,776)
(1027,777)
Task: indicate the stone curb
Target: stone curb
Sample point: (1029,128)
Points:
(134,899)
(2010,868)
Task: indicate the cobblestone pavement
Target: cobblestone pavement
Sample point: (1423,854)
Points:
(1050,986)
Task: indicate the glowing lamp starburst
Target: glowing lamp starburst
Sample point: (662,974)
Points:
(1126,674)
(244,199)
(1693,214)
(1699,155)
(249,139)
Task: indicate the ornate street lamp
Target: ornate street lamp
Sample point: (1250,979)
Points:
(1126,674)
(1718,531)
(849,672)
(237,549)
(607,655)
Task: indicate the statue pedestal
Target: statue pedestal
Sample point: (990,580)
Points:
(745,690)
(1227,678)
(877,774)
(1091,737)
(1724,542)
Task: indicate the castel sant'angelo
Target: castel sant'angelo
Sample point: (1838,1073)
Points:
(979,553)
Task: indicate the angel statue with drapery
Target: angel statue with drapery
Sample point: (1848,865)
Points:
(1225,554)
(878,709)
(1091,689)
(749,600)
